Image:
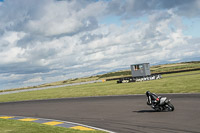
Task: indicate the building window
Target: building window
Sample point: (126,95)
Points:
(138,67)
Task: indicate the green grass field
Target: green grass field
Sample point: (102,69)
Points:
(181,83)
(14,126)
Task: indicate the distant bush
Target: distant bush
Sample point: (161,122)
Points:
(124,73)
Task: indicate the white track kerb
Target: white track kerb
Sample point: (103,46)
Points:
(53,122)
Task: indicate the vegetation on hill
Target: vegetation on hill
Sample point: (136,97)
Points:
(157,69)
(124,73)
(176,67)
(185,82)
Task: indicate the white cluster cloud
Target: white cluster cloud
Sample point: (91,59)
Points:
(49,40)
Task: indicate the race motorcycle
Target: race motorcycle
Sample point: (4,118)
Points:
(161,104)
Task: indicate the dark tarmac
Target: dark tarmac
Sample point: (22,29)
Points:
(121,114)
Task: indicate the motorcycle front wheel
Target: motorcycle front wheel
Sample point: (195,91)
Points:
(170,107)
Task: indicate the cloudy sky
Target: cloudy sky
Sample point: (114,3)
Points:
(43,41)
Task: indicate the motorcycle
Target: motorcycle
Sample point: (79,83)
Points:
(162,104)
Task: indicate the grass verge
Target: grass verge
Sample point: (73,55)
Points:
(185,82)
(14,126)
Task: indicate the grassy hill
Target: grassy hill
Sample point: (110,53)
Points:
(176,67)
(184,82)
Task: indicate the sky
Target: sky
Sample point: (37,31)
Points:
(53,40)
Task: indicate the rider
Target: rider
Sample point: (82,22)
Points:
(152,98)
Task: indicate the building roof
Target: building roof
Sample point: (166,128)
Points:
(139,64)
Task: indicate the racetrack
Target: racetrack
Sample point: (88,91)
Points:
(121,114)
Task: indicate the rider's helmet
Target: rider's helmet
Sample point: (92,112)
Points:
(148,93)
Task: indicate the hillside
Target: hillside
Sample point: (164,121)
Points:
(176,67)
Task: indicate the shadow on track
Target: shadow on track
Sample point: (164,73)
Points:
(150,111)
(145,111)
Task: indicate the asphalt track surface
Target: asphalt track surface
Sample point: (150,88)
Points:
(121,114)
